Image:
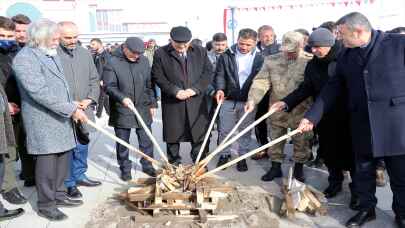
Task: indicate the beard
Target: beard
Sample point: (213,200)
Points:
(49,51)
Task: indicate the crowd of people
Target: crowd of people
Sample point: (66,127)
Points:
(341,84)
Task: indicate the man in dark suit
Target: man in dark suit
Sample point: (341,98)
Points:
(371,73)
(183,73)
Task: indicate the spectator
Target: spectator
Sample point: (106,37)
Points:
(101,57)
(21,24)
(84,86)
(8,49)
(48,111)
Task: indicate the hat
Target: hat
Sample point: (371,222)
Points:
(180,34)
(291,40)
(321,37)
(134,44)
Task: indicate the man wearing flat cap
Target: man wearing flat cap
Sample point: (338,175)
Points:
(183,72)
(333,129)
(281,74)
(128,82)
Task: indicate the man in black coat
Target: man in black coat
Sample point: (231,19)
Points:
(333,129)
(8,50)
(371,74)
(183,73)
(100,56)
(128,83)
(235,71)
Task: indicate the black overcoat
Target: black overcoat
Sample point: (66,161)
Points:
(183,120)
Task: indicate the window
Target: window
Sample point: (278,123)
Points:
(108,20)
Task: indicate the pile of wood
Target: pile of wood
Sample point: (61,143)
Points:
(174,191)
(301,197)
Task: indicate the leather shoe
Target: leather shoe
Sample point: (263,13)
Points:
(241,166)
(14,196)
(360,218)
(68,203)
(354,203)
(9,214)
(88,183)
(400,221)
(332,190)
(126,176)
(29,183)
(274,172)
(74,193)
(223,159)
(149,170)
(53,215)
(260,155)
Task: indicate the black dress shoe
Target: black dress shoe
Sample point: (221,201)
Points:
(68,203)
(126,176)
(9,214)
(88,183)
(261,155)
(360,218)
(74,193)
(149,170)
(354,203)
(274,172)
(14,196)
(223,159)
(332,190)
(29,183)
(298,172)
(241,166)
(53,215)
(400,221)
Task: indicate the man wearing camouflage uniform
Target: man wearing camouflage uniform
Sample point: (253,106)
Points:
(281,74)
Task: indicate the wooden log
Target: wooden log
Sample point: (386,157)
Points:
(154,162)
(255,151)
(165,180)
(203,215)
(207,135)
(235,128)
(210,156)
(143,181)
(149,133)
(143,190)
(158,198)
(289,206)
(312,199)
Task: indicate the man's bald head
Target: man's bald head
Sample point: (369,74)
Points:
(69,33)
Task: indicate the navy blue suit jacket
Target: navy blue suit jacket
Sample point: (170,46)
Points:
(374,82)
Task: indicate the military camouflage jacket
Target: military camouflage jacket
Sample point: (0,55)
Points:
(281,77)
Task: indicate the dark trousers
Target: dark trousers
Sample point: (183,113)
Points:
(103,103)
(145,145)
(366,182)
(27,160)
(173,151)
(1,180)
(50,172)
(261,128)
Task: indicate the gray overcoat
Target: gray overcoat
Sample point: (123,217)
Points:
(47,105)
